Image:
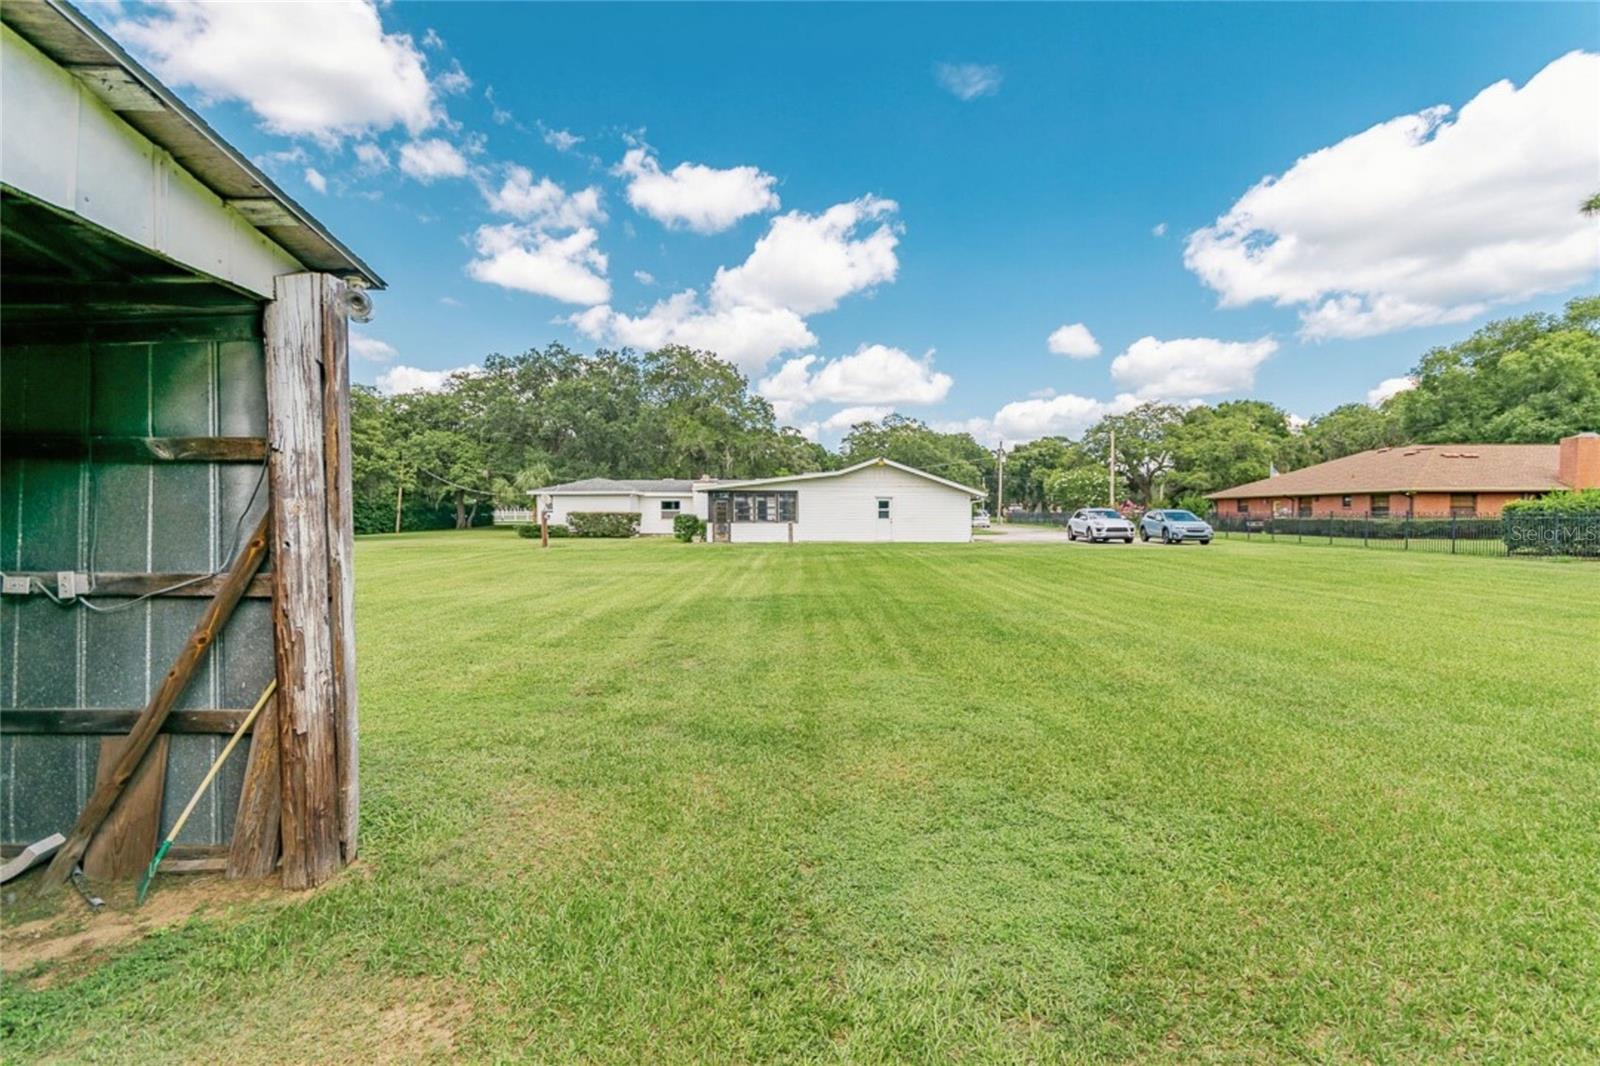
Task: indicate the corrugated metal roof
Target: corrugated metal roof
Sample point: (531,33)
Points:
(70,39)
(1418,468)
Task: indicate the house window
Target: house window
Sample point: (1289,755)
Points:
(670,508)
(761,506)
(1380,506)
(1463,504)
(1244,506)
(1305,507)
(1344,501)
(883,508)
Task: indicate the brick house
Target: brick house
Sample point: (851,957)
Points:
(1464,480)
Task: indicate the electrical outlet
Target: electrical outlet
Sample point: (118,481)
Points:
(16,585)
(66,584)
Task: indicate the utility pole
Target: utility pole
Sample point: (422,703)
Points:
(1000,493)
(1111,471)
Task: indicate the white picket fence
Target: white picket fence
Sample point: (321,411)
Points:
(509,516)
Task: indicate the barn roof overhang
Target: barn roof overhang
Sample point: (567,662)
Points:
(70,39)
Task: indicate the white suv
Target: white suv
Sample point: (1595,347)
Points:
(1099,523)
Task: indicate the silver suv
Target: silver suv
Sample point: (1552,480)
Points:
(1174,527)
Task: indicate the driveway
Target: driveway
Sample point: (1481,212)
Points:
(1000,533)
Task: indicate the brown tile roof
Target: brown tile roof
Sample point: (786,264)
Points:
(1418,468)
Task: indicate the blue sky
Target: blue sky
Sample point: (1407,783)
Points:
(906,202)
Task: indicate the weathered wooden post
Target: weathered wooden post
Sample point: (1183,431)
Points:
(341,552)
(308,471)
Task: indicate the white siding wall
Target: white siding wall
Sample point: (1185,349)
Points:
(761,532)
(562,506)
(648,508)
(846,509)
(650,520)
(63,146)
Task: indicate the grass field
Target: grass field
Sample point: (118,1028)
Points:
(657,802)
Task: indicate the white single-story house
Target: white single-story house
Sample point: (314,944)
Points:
(878,500)
(657,502)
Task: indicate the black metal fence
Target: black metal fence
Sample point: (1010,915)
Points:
(1038,518)
(1513,534)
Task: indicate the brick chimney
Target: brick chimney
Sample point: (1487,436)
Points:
(1579,466)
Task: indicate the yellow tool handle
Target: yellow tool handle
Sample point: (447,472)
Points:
(266,694)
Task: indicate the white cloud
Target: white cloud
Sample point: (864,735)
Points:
(315,179)
(295,154)
(399,379)
(322,70)
(543,203)
(370,348)
(431,39)
(694,196)
(747,337)
(873,374)
(981,429)
(514,256)
(431,159)
(808,263)
(1074,342)
(501,115)
(968,81)
(804,264)
(1065,415)
(644,277)
(454,80)
(850,416)
(1188,367)
(562,140)
(451,301)
(1423,219)
(371,159)
(1159,230)
(1388,387)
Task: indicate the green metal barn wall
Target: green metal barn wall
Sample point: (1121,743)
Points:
(68,514)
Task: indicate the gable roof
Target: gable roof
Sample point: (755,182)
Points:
(611,486)
(84,50)
(1418,468)
(880,461)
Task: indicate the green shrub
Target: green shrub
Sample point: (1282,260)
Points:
(688,527)
(532,531)
(1577,501)
(1562,523)
(603,523)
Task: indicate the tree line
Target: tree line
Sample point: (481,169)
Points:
(444,458)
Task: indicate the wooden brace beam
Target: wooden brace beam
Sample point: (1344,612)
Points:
(151,719)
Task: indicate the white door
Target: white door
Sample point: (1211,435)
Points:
(884,525)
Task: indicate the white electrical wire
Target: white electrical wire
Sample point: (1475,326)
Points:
(233,551)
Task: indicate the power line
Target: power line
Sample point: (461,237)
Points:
(455,485)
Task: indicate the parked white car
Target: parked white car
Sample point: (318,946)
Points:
(1099,523)
(980,520)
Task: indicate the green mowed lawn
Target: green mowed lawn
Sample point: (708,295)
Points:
(658,802)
